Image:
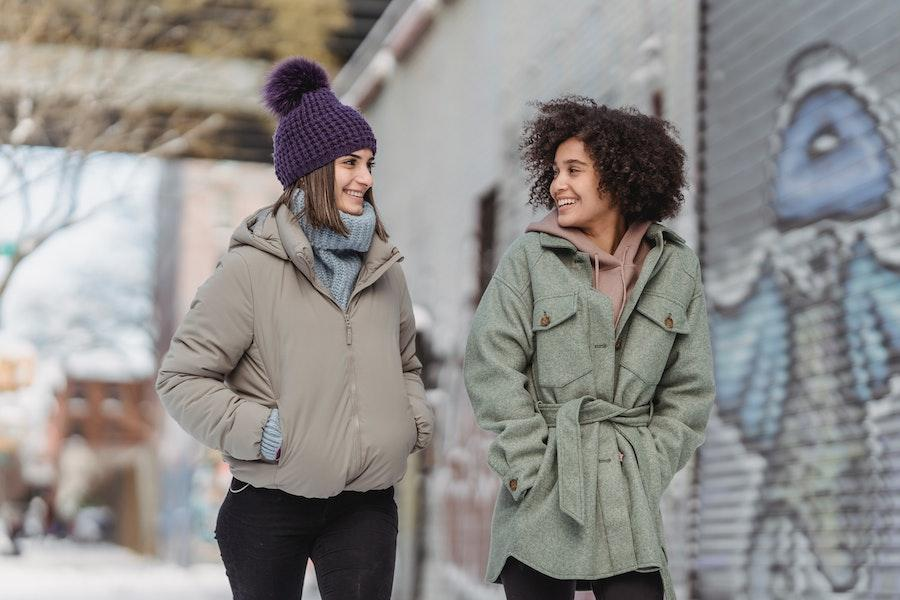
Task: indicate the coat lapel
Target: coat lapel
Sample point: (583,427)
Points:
(657,233)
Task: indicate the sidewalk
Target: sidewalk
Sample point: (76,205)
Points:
(52,568)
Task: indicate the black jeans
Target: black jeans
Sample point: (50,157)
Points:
(521,582)
(266,536)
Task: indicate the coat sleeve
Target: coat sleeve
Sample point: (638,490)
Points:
(685,394)
(498,356)
(412,373)
(208,344)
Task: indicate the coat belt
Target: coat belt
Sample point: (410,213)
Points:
(568,419)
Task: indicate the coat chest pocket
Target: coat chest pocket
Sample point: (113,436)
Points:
(561,352)
(650,335)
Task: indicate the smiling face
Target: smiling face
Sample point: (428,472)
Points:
(352,179)
(576,188)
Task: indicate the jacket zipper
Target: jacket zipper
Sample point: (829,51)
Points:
(349,330)
(358,438)
(350,303)
(352,368)
(356,426)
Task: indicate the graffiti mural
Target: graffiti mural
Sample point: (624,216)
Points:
(806,351)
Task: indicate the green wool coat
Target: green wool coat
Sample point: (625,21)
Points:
(592,420)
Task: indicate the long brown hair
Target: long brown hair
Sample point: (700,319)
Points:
(320,205)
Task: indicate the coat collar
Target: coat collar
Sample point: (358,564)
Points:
(379,258)
(657,233)
(552,241)
(299,250)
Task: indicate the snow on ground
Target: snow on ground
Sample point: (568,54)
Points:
(50,569)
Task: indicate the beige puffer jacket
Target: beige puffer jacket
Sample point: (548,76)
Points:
(262,333)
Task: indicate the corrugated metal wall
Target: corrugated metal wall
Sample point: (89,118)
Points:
(800,227)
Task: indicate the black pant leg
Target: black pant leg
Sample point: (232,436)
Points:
(633,585)
(264,538)
(355,552)
(521,582)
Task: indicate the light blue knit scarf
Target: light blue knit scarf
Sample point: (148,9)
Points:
(338,258)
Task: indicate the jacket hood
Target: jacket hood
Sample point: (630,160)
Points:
(273,230)
(259,231)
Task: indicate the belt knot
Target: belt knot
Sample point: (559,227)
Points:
(568,418)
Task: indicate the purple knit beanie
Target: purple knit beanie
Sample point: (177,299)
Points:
(314,128)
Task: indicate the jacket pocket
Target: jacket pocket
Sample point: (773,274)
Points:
(650,335)
(561,352)
(644,449)
(281,430)
(545,478)
(286,418)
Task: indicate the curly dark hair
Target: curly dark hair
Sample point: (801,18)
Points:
(638,158)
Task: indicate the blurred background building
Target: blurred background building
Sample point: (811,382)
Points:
(132,142)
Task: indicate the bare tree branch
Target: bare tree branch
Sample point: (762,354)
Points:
(133,76)
(29,244)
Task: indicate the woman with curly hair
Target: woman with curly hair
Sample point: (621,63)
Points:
(589,357)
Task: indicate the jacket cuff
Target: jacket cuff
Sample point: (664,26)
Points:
(517,478)
(424,433)
(270,443)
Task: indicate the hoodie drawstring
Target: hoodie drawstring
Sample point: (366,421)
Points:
(624,286)
(621,268)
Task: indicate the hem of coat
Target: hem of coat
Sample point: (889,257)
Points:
(264,475)
(668,592)
(261,475)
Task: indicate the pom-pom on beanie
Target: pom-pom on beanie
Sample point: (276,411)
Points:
(314,127)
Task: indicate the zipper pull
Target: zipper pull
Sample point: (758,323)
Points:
(349,330)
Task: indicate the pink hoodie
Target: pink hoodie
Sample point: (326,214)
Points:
(614,274)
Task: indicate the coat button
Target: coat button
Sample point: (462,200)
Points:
(513,484)
(669,322)
(619,344)
(545,320)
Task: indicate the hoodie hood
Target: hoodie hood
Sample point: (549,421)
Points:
(613,274)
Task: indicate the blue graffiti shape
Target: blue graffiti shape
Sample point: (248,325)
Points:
(832,162)
(750,344)
(815,340)
(872,309)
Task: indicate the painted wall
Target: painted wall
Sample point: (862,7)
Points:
(800,225)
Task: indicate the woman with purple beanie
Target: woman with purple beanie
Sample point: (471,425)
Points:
(297,361)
